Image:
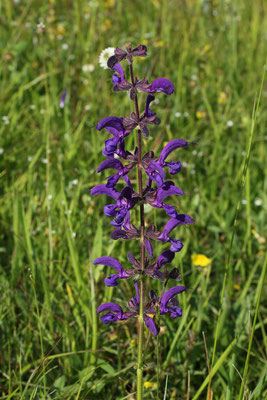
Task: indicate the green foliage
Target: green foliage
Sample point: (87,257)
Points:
(52,345)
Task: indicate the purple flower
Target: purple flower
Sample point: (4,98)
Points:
(176,245)
(171,146)
(120,83)
(181,219)
(116,313)
(111,262)
(122,171)
(162,85)
(155,197)
(169,304)
(62,99)
(114,126)
(125,200)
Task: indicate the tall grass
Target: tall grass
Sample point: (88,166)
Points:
(52,345)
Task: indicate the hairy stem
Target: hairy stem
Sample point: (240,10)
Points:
(142,245)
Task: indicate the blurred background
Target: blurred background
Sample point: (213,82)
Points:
(51,228)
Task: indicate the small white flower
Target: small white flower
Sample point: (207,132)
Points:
(5,119)
(200,154)
(243,153)
(50,196)
(75,182)
(194,152)
(258,202)
(29,158)
(53,232)
(65,46)
(40,27)
(186,114)
(87,107)
(44,160)
(32,106)
(42,111)
(193,171)
(88,68)
(184,164)
(1,150)
(244,201)
(156,101)
(177,114)
(74,234)
(229,123)
(104,56)
(193,77)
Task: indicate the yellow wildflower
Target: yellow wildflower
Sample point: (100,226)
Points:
(133,342)
(200,260)
(159,43)
(61,30)
(236,287)
(222,98)
(200,114)
(148,385)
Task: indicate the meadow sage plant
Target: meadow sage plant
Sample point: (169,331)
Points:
(153,189)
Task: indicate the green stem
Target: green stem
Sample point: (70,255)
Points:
(140,358)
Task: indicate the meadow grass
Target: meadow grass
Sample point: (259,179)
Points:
(52,344)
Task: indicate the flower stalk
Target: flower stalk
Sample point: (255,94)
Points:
(147,309)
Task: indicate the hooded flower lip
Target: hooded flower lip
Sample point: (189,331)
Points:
(174,166)
(176,245)
(150,269)
(161,85)
(120,83)
(125,200)
(116,313)
(114,145)
(113,263)
(122,171)
(169,304)
(155,197)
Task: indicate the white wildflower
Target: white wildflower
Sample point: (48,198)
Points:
(229,124)
(104,56)
(258,202)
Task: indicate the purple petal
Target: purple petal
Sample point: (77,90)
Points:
(110,163)
(176,245)
(137,291)
(172,190)
(170,210)
(174,166)
(172,145)
(114,307)
(102,189)
(149,98)
(162,85)
(112,124)
(179,220)
(109,262)
(118,234)
(62,99)
(169,294)
(119,70)
(151,325)
(165,258)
